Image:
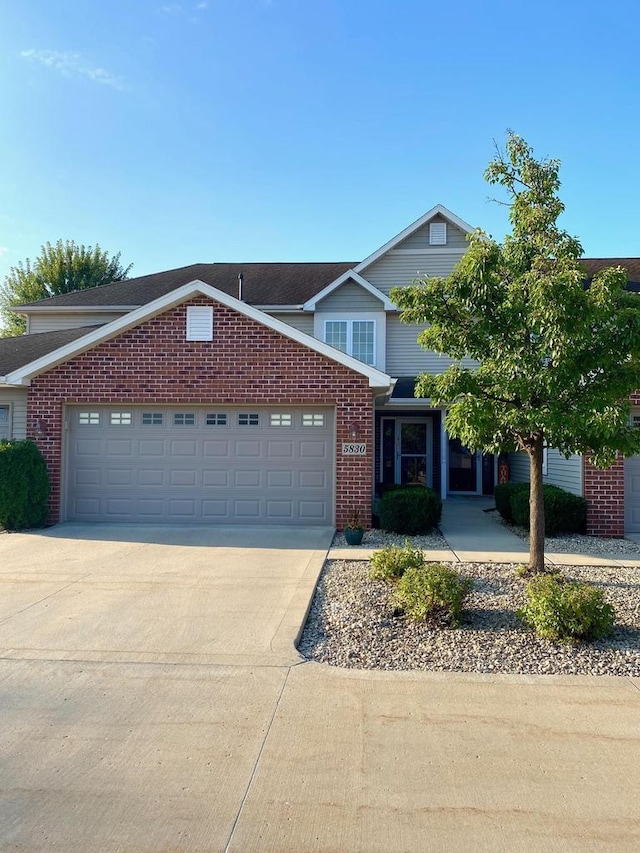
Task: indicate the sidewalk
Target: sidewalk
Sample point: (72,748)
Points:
(473,535)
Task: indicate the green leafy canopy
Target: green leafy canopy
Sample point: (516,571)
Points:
(60,268)
(557,361)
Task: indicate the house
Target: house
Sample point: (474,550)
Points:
(243,393)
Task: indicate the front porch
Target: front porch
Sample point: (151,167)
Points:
(412,446)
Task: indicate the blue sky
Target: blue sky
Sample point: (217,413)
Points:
(291,130)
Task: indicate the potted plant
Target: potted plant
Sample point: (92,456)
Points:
(354,529)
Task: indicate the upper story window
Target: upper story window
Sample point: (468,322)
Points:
(355,337)
(438,233)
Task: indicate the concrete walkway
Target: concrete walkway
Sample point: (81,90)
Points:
(150,703)
(474,535)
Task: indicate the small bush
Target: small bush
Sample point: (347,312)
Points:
(24,486)
(563,512)
(433,592)
(392,562)
(565,611)
(503,493)
(410,510)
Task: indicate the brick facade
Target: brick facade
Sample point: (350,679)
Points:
(245,363)
(604,492)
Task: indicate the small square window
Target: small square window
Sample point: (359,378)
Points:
(4,414)
(216,419)
(312,420)
(281,419)
(249,419)
(184,419)
(120,418)
(152,419)
(88,418)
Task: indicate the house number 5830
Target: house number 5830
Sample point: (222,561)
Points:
(354,448)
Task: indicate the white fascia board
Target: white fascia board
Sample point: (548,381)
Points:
(349,275)
(23,375)
(438,209)
(71,309)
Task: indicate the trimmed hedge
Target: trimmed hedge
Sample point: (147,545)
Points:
(563,512)
(410,510)
(503,493)
(24,486)
(432,592)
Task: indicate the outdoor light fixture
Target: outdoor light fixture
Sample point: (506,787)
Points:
(354,429)
(39,428)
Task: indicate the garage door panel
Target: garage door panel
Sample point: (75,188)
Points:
(117,472)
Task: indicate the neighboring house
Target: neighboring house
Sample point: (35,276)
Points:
(240,393)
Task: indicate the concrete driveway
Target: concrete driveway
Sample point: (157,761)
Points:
(157,594)
(152,700)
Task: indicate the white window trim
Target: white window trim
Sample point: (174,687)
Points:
(8,422)
(199,322)
(545,459)
(379,320)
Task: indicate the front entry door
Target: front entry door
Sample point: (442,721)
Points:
(463,468)
(412,458)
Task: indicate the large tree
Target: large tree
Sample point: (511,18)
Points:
(557,358)
(59,268)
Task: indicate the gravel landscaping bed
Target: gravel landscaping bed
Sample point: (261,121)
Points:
(352,624)
(574,543)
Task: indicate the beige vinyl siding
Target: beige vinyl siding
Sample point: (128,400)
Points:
(456,238)
(17,400)
(350,297)
(405,356)
(398,269)
(54,322)
(301,322)
(565,473)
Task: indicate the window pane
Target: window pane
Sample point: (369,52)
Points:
(184,419)
(216,419)
(89,418)
(312,420)
(281,419)
(363,341)
(335,333)
(121,418)
(152,419)
(248,419)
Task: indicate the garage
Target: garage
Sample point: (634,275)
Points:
(207,464)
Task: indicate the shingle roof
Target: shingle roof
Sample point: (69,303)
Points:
(631,265)
(16,352)
(263,284)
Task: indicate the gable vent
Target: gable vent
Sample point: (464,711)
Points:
(437,233)
(200,323)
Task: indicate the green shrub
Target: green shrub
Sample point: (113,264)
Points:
(410,510)
(432,592)
(565,611)
(24,486)
(392,562)
(563,512)
(503,493)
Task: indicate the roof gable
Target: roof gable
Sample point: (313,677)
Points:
(439,209)
(23,374)
(350,275)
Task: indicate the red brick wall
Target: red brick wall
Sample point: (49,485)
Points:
(245,363)
(604,491)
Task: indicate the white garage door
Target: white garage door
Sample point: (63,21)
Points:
(632,494)
(200,465)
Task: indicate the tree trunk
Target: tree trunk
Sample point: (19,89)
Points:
(536,506)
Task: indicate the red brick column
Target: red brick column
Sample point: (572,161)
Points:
(604,491)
